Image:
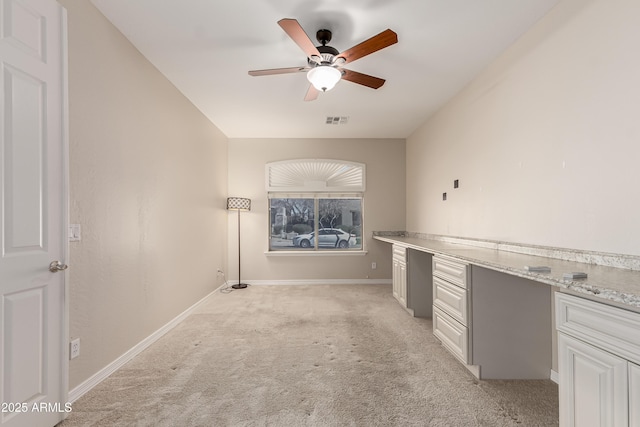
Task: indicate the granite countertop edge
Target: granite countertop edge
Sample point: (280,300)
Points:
(624,292)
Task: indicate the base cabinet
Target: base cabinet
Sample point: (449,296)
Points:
(598,363)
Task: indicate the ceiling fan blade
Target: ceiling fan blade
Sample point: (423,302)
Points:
(297,34)
(367,47)
(362,79)
(312,94)
(272,71)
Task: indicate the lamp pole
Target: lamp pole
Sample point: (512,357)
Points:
(239,285)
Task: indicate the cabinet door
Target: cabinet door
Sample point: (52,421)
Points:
(394,278)
(634,395)
(399,280)
(593,385)
(402,283)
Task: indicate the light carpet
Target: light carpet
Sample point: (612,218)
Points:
(334,355)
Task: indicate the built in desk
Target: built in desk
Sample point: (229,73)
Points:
(503,320)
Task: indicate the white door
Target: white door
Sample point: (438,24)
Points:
(33,365)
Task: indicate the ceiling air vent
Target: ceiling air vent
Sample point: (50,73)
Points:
(337,120)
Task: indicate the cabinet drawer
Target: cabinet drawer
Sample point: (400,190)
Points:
(610,328)
(399,253)
(453,335)
(448,269)
(451,299)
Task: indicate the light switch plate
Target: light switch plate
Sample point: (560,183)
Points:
(75,233)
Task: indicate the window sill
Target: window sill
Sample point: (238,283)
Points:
(316,253)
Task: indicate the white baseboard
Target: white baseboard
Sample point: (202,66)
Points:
(554,376)
(316,282)
(101,375)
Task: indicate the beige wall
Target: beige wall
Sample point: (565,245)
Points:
(148,180)
(545,142)
(384,207)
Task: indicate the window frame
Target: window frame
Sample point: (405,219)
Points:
(316,249)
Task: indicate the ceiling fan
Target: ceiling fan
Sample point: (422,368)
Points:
(325,64)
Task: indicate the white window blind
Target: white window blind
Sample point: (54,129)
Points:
(315,176)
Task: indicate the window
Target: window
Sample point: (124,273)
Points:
(315,222)
(315,205)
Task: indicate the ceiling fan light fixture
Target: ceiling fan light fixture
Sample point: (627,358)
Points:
(324,77)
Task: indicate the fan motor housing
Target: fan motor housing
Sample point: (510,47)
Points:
(328,52)
(323,36)
(327,49)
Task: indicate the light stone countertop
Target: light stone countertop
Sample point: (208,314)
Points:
(612,285)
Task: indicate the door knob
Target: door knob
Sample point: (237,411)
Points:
(56,266)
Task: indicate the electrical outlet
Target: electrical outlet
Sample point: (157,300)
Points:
(374,265)
(74,348)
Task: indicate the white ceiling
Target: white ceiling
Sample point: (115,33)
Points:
(206,47)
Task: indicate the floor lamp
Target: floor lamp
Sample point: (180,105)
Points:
(238,204)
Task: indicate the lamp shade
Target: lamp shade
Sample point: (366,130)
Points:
(324,77)
(238,204)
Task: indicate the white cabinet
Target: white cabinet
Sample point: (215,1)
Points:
(450,306)
(399,274)
(598,356)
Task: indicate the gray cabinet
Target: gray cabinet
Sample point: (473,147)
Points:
(497,325)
